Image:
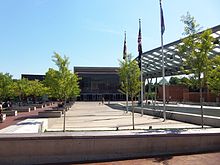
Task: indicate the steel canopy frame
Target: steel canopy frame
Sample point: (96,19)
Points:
(152,60)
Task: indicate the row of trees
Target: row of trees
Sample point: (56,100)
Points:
(195,50)
(58,84)
(20,89)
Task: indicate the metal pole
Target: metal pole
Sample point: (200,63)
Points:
(127,90)
(163,75)
(142,110)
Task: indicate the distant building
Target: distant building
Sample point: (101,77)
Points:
(99,82)
(33,77)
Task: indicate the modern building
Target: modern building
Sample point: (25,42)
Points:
(97,83)
(33,77)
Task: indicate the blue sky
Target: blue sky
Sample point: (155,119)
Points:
(89,32)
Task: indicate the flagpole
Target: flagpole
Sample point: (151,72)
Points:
(142,111)
(164,94)
(125,57)
(140,65)
(163,74)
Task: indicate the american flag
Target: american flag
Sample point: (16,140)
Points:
(139,44)
(139,39)
(125,48)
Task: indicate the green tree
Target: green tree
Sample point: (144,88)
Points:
(5,86)
(62,83)
(37,89)
(52,82)
(21,89)
(213,76)
(129,74)
(174,81)
(195,50)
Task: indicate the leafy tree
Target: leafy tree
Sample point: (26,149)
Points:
(62,83)
(195,50)
(213,76)
(52,82)
(37,89)
(174,81)
(5,86)
(129,74)
(21,88)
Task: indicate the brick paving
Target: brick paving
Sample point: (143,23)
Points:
(11,120)
(194,159)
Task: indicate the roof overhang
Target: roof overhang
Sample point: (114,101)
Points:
(152,59)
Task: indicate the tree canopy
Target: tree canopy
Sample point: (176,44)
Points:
(129,74)
(62,83)
(213,76)
(6,84)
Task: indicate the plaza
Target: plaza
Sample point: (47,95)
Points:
(93,116)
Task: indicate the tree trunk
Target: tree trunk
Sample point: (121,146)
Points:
(132,112)
(201,101)
(64,117)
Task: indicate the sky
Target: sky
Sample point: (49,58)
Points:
(89,32)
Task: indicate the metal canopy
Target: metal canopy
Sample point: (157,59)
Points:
(152,60)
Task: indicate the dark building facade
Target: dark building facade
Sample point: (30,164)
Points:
(33,77)
(99,82)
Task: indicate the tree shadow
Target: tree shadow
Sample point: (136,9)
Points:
(164,159)
(116,106)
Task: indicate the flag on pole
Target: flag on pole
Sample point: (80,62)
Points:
(162,19)
(139,44)
(125,48)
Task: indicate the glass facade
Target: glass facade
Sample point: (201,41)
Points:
(98,83)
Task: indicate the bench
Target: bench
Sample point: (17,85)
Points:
(22,109)
(48,114)
(54,110)
(10,112)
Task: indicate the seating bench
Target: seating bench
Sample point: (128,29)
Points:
(10,112)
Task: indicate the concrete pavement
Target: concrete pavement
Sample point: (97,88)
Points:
(91,116)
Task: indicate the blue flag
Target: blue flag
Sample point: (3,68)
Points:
(162,19)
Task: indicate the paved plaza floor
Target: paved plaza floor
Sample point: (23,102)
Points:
(91,116)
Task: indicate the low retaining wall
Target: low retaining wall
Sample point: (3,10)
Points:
(184,117)
(73,147)
(215,111)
